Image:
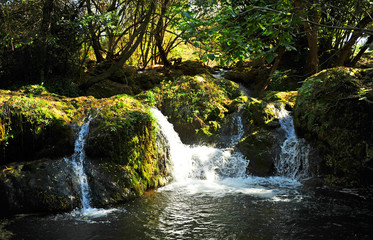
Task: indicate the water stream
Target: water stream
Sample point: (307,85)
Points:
(77,161)
(212,197)
(293,159)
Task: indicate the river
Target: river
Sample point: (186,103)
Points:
(212,197)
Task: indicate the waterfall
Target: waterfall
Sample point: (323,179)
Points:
(200,162)
(77,161)
(293,159)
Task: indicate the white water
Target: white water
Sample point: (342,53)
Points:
(208,170)
(293,159)
(77,162)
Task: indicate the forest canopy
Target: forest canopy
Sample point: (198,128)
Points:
(60,40)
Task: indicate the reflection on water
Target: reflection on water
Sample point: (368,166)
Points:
(265,212)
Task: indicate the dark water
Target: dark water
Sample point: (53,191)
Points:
(270,212)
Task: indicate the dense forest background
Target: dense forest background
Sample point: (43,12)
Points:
(60,43)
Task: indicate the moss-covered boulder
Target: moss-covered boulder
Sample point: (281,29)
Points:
(34,124)
(334,112)
(123,132)
(196,106)
(262,141)
(192,68)
(127,154)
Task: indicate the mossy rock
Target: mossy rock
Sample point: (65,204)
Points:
(261,113)
(127,151)
(108,88)
(262,141)
(196,106)
(334,111)
(192,68)
(124,133)
(261,148)
(251,74)
(32,127)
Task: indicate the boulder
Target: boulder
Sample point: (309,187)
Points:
(192,68)
(35,124)
(38,186)
(127,154)
(334,112)
(263,138)
(196,105)
(123,134)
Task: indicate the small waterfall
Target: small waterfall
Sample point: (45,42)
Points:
(200,162)
(77,161)
(293,159)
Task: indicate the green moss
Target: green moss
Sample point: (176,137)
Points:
(124,132)
(261,113)
(195,105)
(331,112)
(287,97)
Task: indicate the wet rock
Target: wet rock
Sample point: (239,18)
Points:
(38,186)
(261,148)
(334,112)
(124,135)
(263,138)
(128,155)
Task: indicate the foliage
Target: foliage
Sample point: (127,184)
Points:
(330,113)
(238,30)
(198,103)
(37,40)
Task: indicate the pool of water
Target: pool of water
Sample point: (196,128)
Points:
(250,208)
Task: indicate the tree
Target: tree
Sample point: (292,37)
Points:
(38,39)
(133,42)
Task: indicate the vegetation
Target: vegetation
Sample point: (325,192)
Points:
(58,42)
(197,106)
(334,112)
(62,61)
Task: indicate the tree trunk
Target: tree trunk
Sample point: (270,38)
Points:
(159,36)
(362,51)
(94,38)
(312,36)
(275,65)
(127,53)
(355,36)
(44,34)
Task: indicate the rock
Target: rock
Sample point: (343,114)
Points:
(124,135)
(128,155)
(34,126)
(334,112)
(38,186)
(108,88)
(196,106)
(262,141)
(261,148)
(192,68)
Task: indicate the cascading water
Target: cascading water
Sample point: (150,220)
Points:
(203,169)
(77,161)
(200,162)
(293,159)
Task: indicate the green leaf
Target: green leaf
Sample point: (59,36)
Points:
(271,57)
(211,56)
